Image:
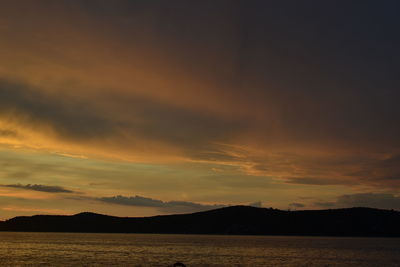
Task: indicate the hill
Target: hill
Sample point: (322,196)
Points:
(236,220)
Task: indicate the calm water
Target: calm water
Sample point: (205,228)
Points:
(65,249)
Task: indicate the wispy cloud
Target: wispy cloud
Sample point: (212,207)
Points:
(170,206)
(41,188)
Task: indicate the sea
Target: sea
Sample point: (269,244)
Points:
(77,249)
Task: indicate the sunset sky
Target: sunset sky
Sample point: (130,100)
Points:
(146,107)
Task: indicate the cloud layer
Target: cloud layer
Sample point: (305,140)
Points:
(229,99)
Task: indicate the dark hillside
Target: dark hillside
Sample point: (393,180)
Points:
(230,220)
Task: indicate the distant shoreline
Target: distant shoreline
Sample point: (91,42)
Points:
(235,220)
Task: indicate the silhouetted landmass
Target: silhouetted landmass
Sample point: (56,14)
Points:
(238,220)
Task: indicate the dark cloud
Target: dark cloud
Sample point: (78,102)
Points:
(123,118)
(41,188)
(371,200)
(70,117)
(194,131)
(313,181)
(379,171)
(170,206)
(213,153)
(304,61)
(309,58)
(351,168)
(134,201)
(292,66)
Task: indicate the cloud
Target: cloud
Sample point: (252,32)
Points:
(170,206)
(303,97)
(41,188)
(384,170)
(314,167)
(371,200)
(313,181)
(119,123)
(69,117)
(134,201)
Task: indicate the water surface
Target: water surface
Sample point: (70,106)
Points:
(74,249)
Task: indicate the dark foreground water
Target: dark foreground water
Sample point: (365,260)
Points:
(66,249)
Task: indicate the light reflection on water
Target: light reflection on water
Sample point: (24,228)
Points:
(74,249)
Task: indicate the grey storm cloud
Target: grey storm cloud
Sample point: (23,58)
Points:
(41,188)
(171,206)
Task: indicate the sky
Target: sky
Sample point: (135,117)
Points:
(140,108)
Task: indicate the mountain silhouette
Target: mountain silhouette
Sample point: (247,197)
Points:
(235,220)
